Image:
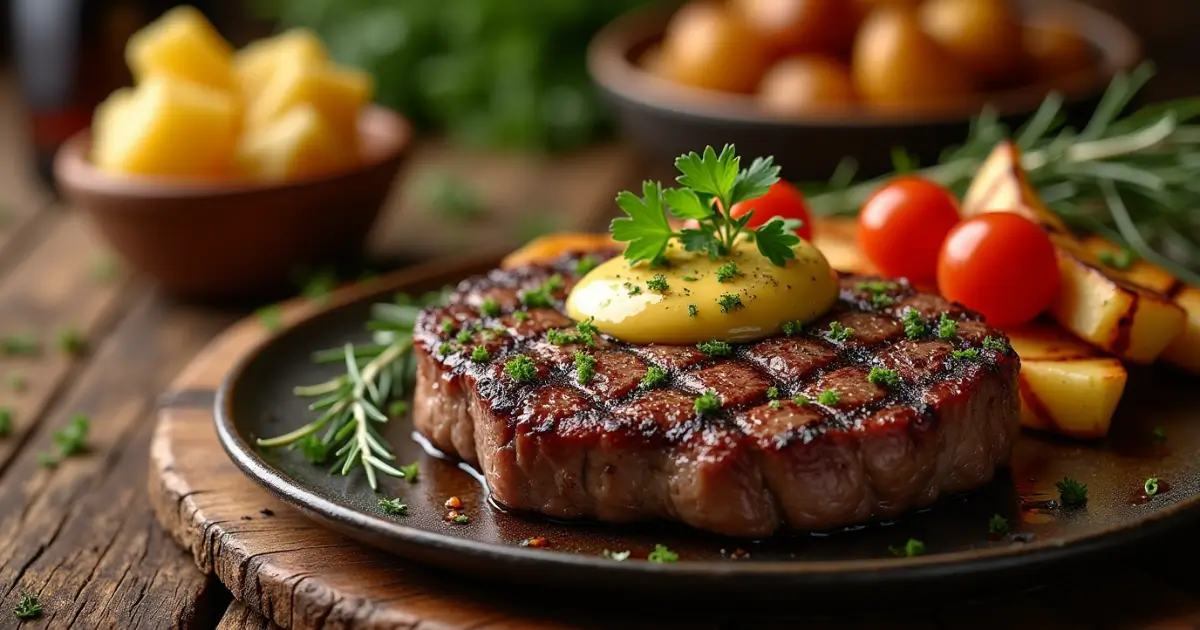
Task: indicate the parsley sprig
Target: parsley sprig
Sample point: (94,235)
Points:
(711,184)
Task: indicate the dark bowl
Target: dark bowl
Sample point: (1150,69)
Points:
(224,240)
(666,119)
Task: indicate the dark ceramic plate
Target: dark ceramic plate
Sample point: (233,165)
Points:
(256,401)
(667,119)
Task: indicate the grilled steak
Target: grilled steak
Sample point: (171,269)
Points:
(773,456)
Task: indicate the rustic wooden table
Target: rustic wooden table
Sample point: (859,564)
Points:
(82,537)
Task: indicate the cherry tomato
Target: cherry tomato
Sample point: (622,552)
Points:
(1000,264)
(783,201)
(902,225)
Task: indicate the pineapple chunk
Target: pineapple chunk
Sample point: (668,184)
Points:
(170,128)
(105,122)
(1066,386)
(1184,352)
(337,92)
(184,45)
(299,144)
(255,64)
(1121,318)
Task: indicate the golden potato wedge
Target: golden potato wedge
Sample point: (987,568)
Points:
(1129,321)
(551,246)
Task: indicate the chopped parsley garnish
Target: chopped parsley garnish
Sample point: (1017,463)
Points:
(587,328)
(689,278)
(490,307)
(20,345)
(707,402)
(395,507)
(584,265)
(1120,260)
(72,439)
(772,392)
(970,354)
(6,422)
(715,348)
(1159,433)
(411,472)
(479,354)
(658,283)
(270,316)
(521,316)
(997,525)
(947,328)
(397,408)
(541,297)
(319,286)
(561,337)
(884,377)
(632,289)
(705,176)
(882,300)
(838,332)
(521,368)
(1151,486)
(877,286)
(28,607)
(447,325)
(802,400)
(730,302)
(617,556)
(461,519)
(585,365)
(445,348)
(995,343)
(662,555)
(775,404)
(914,326)
(463,336)
(791,329)
(911,549)
(1072,493)
(829,397)
(727,272)
(654,376)
(553,283)
(693,310)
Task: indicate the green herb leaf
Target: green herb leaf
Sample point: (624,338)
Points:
(490,307)
(1151,486)
(585,265)
(520,368)
(947,328)
(775,241)
(969,354)
(755,181)
(999,344)
(710,174)
(911,549)
(838,332)
(727,272)
(480,354)
(658,283)
(715,348)
(410,473)
(1120,260)
(829,397)
(394,507)
(461,519)
(585,367)
(1072,493)
(707,403)
(772,392)
(685,204)
(28,607)
(791,329)
(802,400)
(884,377)
(72,439)
(315,450)
(997,525)
(662,555)
(693,310)
(914,326)
(730,302)
(271,317)
(654,376)
(645,228)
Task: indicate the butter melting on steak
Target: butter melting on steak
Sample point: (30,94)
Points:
(614,450)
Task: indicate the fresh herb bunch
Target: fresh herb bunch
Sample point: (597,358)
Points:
(1130,179)
(351,404)
(711,184)
(493,73)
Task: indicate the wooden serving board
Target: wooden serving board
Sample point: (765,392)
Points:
(286,571)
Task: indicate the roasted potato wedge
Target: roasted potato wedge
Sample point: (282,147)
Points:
(1096,304)
(552,246)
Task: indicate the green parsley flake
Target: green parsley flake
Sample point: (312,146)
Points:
(411,472)
(584,265)
(693,310)
(315,450)
(561,337)
(970,354)
(727,272)
(541,297)
(585,365)
(632,289)
(447,326)
(877,286)
(882,300)
(829,397)
(775,404)
(689,278)
(521,368)
(997,525)
(730,302)
(445,349)
(6,422)
(995,343)
(662,555)
(553,283)
(884,377)
(802,400)
(521,316)
(658,283)
(654,376)
(838,332)
(772,392)
(947,328)
(1072,493)
(462,519)
(1120,260)
(1151,486)
(715,348)
(72,439)
(911,549)
(270,316)
(463,336)
(395,507)
(397,408)
(28,608)
(914,326)
(791,329)
(587,330)
(479,354)
(706,403)
(490,307)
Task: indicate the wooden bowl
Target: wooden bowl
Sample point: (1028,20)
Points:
(211,240)
(667,119)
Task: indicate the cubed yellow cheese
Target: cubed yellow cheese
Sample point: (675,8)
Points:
(339,93)
(105,121)
(184,45)
(171,128)
(255,64)
(299,144)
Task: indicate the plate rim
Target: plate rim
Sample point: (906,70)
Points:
(358,524)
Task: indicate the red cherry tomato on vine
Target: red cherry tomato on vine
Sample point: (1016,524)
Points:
(783,200)
(1001,265)
(902,225)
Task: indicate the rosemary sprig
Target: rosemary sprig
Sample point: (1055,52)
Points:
(351,404)
(1130,179)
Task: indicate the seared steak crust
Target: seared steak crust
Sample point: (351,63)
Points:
(616,450)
